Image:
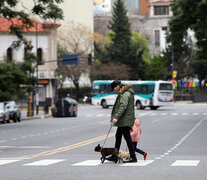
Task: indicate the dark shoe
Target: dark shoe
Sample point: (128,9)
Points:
(145,156)
(112,158)
(131,160)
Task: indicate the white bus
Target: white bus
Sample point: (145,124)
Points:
(153,94)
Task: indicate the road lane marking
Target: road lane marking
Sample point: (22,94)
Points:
(44,162)
(139,163)
(106,122)
(2,162)
(66,148)
(181,141)
(174,114)
(3,141)
(88,163)
(185,163)
(25,147)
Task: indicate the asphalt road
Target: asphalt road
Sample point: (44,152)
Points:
(63,148)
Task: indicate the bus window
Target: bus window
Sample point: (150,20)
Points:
(151,89)
(95,90)
(165,86)
(103,88)
(144,89)
(136,88)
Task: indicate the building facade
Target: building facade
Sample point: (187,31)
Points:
(43,37)
(148,17)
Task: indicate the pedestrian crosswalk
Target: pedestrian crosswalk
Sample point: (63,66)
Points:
(89,163)
(150,113)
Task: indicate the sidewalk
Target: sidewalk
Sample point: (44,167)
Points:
(41,115)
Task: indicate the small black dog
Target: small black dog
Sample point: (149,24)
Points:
(107,151)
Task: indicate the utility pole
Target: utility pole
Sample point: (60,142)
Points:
(37,88)
(30,112)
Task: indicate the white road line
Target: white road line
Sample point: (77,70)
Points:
(2,162)
(153,114)
(174,114)
(88,115)
(88,163)
(184,114)
(139,163)
(44,162)
(26,147)
(195,114)
(99,115)
(204,113)
(185,163)
(3,141)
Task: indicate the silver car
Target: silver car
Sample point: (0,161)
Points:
(4,113)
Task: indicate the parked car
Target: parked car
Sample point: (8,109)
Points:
(14,111)
(4,113)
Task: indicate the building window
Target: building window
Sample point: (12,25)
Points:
(39,55)
(161,10)
(9,54)
(157,37)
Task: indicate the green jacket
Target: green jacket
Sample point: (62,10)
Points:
(123,109)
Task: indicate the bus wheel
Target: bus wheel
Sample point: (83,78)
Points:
(154,107)
(139,105)
(104,105)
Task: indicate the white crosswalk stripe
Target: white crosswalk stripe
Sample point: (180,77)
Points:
(185,163)
(7,161)
(151,114)
(139,163)
(47,162)
(44,162)
(88,163)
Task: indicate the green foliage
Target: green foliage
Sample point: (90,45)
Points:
(157,69)
(45,9)
(138,55)
(84,91)
(12,77)
(189,15)
(119,48)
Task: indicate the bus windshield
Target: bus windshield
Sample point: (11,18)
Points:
(165,86)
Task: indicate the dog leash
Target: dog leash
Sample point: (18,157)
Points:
(107,135)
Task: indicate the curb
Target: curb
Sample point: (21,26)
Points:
(37,117)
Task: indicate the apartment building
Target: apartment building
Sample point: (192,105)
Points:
(148,17)
(44,41)
(78,11)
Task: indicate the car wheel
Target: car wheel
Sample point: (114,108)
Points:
(15,118)
(3,121)
(8,120)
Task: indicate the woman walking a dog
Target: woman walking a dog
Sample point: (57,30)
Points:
(123,117)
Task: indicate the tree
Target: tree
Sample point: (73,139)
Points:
(189,15)
(76,38)
(119,48)
(138,55)
(157,69)
(14,79)
(45,9)
(111,70)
